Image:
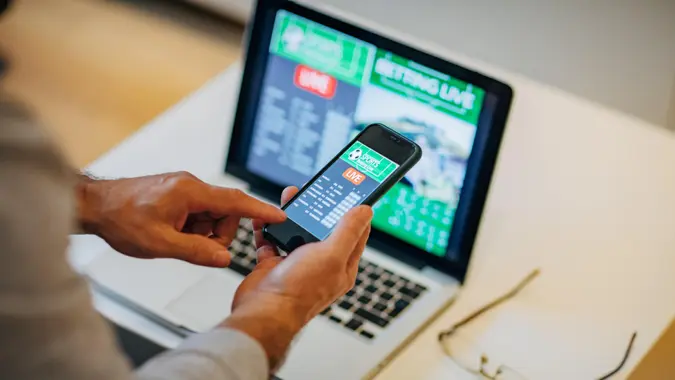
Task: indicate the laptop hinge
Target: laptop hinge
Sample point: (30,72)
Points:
(397,254)
(438,276)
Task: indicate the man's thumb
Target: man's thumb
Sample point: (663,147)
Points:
(197,249)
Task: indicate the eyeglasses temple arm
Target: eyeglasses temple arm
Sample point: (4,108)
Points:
(623,361)
(492,304)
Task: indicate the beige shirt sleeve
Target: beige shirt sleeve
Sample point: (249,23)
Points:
(48,326)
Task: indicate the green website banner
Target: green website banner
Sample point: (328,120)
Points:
(322,48)
(371,163)
(449,95)
(401,205)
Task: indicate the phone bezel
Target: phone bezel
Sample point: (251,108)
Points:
(389,143)
(479,167)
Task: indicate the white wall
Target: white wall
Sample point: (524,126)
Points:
(620,53)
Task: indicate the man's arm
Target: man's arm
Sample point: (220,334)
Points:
(48,326)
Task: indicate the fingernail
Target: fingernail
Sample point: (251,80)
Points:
(280,214)
(265,252)
(221,258)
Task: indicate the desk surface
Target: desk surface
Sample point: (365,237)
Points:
(584,193)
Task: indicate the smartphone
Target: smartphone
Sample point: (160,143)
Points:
(360,173)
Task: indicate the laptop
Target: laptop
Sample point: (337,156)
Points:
(311,82)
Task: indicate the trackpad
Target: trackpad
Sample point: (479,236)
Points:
(206,303)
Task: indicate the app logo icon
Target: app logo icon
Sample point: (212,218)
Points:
(355,154)
(354,176)
(293,37)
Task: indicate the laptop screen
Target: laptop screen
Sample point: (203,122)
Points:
(321,87)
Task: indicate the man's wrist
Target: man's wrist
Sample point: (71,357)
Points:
(88,203)
(272,323)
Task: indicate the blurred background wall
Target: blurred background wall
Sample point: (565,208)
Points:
(620,53)
(94,71)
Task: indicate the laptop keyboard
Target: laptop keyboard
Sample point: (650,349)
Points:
(378,297)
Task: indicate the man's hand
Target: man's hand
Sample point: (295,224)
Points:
(282,294)
(171,215)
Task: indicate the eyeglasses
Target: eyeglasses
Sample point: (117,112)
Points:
(477,362)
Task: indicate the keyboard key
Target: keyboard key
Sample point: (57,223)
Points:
(367,335)
(380,307)
(371,288)
(325,311)
(363,313)
(409,292)
(358,281)
(248,262)
(335,319)
(386,296)
(349,297)
(398,308)
(420,288)
(389,283)
(401,304)
(353,324)
(239,268)
(364,300)
(373,275)
(401,278)
(345,305)
(243,235)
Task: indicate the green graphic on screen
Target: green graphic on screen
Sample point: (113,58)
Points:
(345,84)
(371,163)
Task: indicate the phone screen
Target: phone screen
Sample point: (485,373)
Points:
(350,179)
(359,174)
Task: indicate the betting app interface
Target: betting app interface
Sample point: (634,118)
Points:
(321,88)
(344,184)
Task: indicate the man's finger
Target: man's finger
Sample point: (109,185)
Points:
(265,253)
(204,228)
(260,240)
(350,228)
(195,249)
(287,194)
(225,202)
(353,262)
(258,224)
(226,228)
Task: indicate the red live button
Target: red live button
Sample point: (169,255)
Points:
(315,81)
